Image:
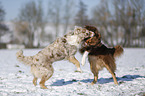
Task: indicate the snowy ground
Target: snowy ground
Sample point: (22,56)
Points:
(16,79)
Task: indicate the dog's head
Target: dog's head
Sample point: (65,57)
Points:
(76,36)
(83,33)
(91,42)
(95,40)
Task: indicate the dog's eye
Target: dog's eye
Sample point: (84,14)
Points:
(78,29)
(87,33)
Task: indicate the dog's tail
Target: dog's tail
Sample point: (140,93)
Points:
(118,51)
(28,60)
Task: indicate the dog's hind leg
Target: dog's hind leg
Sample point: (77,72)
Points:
(112,73)
(94,71)
(35,81)
(76,62)
(47,72)
(42,82)
(95,79)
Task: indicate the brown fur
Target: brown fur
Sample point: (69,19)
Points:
(91,41)
(100,56)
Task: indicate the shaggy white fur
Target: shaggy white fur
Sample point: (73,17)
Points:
(84,57)
(73,40)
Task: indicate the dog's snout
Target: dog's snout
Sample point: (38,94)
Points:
(92,34)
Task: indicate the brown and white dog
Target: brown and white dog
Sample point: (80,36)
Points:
(99,55)
(62,48)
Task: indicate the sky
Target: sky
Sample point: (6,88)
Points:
(12,7)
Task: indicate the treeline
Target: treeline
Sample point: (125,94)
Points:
(119,21)
(125,25)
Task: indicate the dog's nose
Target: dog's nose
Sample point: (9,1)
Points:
(92,34)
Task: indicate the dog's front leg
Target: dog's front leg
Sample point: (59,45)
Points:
(84,57)
(76,62)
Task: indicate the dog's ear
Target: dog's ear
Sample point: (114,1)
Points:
(98,35)
(92,28)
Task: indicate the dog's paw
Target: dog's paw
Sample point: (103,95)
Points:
(43,87)
(92,83)
(79,70)
(83,63)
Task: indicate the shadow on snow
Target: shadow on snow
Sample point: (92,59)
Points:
(100,81)
(62,82)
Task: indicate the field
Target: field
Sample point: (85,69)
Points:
(16,79)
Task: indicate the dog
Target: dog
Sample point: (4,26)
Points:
(62,48)
(99,56)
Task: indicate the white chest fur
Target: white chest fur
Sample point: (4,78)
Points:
(73,40)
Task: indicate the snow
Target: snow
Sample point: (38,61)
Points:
(16,79)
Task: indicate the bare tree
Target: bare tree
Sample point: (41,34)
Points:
(130,17)
(33,15)
(139,21)
(81,18)
(68,13)
(101,18)
(3,27)
(122,25)
(54,15)
(41,23)
(21,31)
